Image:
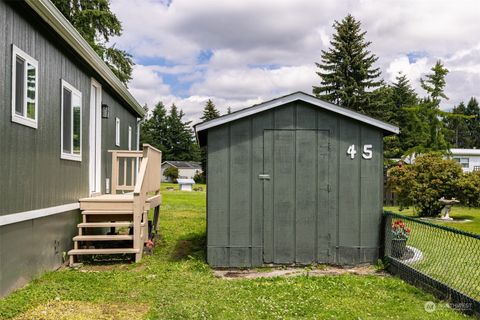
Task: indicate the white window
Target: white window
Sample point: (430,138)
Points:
(117,132)
(24,88)
(464,162)
(71,122)
(129,138)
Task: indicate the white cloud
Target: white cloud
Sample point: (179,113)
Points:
(288,35)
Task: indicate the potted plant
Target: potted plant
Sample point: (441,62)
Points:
(400,234)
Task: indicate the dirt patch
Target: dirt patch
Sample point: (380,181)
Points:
(230,274)
(79,310)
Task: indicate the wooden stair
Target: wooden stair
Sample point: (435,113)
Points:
(125,214)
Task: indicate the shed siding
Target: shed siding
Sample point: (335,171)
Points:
(32,175)
(236,223)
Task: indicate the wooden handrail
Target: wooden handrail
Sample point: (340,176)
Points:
(124,158)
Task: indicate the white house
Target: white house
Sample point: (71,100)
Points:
(186,169)
(469,159)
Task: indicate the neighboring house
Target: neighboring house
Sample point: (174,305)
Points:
(62,110)
(469,159)
(186,169)
(294,180)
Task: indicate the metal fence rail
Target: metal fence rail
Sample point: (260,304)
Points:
(443,260)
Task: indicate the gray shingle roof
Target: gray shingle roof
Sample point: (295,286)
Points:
(184,164)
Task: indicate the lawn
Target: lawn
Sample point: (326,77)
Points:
(449,257)
(176,283)
(456,213)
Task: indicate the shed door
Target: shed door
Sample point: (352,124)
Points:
(296,219)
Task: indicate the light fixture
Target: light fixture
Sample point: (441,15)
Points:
(105,111)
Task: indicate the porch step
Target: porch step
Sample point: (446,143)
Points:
(103,237)
(101,212)
(103,251)
(104,224)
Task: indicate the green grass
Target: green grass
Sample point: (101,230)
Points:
(456,213)
(451,258)
(176,283)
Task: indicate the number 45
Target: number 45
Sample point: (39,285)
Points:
(367,151)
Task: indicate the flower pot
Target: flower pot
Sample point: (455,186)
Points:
(398,247)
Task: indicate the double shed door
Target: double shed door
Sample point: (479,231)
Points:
(296,186)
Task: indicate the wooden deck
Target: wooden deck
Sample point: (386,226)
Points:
(125,214)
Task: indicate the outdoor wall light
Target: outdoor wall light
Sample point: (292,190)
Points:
(105,111)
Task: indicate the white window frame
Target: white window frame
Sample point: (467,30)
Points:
(23,119)
(129,138)
(117,132)
(63,155)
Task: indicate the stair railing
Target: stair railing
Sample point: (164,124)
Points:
(125,166)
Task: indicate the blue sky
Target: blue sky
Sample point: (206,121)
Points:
(239,53)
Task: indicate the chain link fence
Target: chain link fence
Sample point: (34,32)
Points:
(443,260)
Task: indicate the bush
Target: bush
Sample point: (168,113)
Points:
(199,177)
(171,173)
(469,189)
(424,182)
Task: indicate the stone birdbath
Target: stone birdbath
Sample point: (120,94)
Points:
(448,204)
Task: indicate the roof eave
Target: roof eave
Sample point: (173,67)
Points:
(386,127)
(53,17)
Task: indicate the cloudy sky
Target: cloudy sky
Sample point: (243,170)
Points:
(242,52)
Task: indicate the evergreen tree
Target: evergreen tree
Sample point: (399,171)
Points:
(229,110)
(179,140)
(426,130)
(154,129)
(347,71)
(402,96)
(473,122)
(464,125)
(210,112)
(94,20)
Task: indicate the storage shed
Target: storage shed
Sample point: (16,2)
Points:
(294,180)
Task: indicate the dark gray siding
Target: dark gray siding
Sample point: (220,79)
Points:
(349,226)
(32,175)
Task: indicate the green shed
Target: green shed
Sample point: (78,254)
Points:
(294,180)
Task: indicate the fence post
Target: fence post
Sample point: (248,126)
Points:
(388,234)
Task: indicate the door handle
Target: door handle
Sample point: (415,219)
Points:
(264,176)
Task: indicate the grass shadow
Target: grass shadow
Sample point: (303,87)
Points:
(190,245)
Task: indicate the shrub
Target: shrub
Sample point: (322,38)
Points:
(171,173)
(424,182)
(469,189)
(199,177)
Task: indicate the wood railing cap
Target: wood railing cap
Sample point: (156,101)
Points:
(146,145)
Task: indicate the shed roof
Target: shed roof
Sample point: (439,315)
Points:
(55,19)
(183,164)
(465,152)
(302,96)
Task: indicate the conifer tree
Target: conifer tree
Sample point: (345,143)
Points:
(154,129)
(179,141)
(347,72)
(210,112)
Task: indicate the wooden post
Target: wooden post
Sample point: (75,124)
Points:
(114,182)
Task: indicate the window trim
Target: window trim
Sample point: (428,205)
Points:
(23,119)
(129,138)
(117,132)
(63,155)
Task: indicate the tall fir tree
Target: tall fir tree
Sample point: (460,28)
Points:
(473,122)
(464,125)
(347,73)
(210,111)
(94,20)
(154,129)
(179,141)
(425,123)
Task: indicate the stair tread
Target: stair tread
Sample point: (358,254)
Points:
(106,212)
(103,251)
(104,224)
(103,237)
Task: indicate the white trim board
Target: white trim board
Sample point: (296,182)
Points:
(38,213)
(294,97)
(53,17)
